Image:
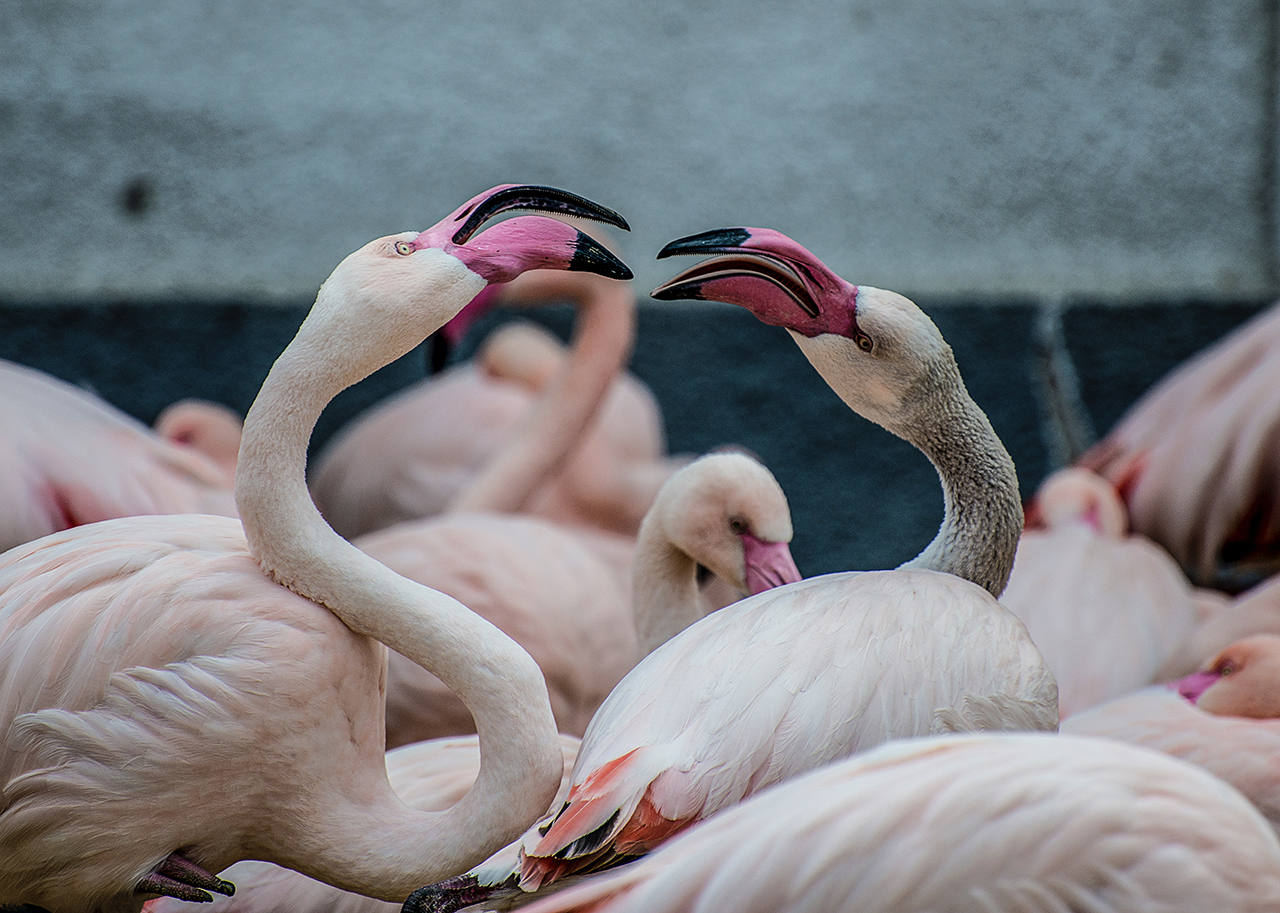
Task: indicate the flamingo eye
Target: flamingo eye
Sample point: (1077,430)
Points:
(404,248)
(865,342)
(738,526)
(1225,668)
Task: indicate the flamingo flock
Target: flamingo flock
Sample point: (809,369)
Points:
(497,648)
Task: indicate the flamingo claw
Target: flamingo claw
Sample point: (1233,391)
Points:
(177,876)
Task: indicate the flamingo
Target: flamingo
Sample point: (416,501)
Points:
(428,776)
(802,674)
(991,823)
(206,427)
(69,459)
(1198,457)
(1225,718)
(1255,611)
(404,459)
(551,590)
(205,691)
(1105,608)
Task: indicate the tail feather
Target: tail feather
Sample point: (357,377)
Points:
(609,818)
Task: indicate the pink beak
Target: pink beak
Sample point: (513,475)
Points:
(1194,685)
(769,564)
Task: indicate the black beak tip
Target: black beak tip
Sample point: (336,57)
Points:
(592,257)
(677,291)
(717,240)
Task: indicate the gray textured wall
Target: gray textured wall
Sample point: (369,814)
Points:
(1044,147)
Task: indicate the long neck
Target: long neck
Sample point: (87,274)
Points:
(982,512)
(665,595)
(603,332)
(498,681)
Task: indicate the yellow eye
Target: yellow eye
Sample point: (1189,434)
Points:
(404,248)
(865,343)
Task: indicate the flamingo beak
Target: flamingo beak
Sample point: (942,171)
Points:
(763,270)
(769,564)
(1194,685)
(532,197)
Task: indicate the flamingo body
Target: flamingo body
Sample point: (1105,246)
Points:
(1239,750)
(1106,609)
(69,459)
(975,824)
(779,684)
(183,655)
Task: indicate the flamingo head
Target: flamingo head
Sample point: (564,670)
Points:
(879,351)
(403,287)
(727,512)
(1243,680)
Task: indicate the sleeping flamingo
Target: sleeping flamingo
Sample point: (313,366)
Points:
(802,674)
(550,589)
(993,823)
(406,459)
(1225,719)
(1105,608)
(1198,457)
(69,458)
(1255,611)
(204,692)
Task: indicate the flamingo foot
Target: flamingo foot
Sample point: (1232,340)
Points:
(178,877)
(447,896)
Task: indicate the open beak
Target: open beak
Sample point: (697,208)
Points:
(533,197)
(503,251)
(763,270)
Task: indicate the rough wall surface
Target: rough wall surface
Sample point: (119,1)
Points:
(985,146)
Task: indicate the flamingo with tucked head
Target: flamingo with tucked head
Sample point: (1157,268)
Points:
(1225,718)
(205,691)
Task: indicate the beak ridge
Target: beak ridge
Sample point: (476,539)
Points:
(535,197)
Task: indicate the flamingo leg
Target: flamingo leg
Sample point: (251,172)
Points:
(179,877)
(447,896)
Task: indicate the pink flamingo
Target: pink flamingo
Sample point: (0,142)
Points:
(1225,718)
(69,459)
(205,693)
(551,590)
(993,823)
(405,459)
(1105,608)
(1198,457)
(802,674)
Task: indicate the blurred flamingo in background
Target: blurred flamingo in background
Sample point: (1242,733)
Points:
(68,458)
(1256,611)
(1105,608)
(1225,718)
(227,679)
(432,446)
(1197,459)
(550,589)
(991,823)
(206,427)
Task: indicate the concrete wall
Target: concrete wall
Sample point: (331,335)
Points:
(240,149)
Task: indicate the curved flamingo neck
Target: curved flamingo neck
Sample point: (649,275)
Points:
(380,847)
(603,332)
(665,595)
(982,511)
